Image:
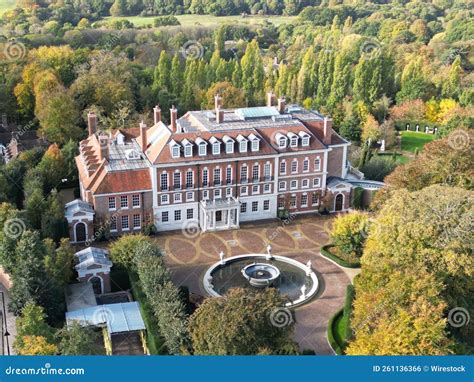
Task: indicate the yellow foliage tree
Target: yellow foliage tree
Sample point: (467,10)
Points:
(37,345)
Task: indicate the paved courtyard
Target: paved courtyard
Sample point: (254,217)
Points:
(188,255)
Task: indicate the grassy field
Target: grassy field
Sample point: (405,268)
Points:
(6,5)
(210,21)
(412,140)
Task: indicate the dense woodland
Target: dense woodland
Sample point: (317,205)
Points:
(373,66)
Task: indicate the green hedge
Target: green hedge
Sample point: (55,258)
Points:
(153,338)
(331,328)
(337,337)
(325,252)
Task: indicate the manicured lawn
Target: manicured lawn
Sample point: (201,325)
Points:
(412,140)
(6,5)
(209,20)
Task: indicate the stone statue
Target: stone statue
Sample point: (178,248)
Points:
(221,256)
(303,291)
(308,265)
(269,252)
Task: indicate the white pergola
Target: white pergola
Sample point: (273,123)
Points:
(220,214)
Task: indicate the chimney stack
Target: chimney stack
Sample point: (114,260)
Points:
(174,118)
(281,105)
(157,114)
(91,122)
(270,98)
(327,131)
(143,141)
(103,147)
(217,101)
(219,114)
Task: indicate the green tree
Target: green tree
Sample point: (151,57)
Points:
(241,323)
(79,340)
(452,85)
(123,251)
(414,85)
(118,8)
(252,73)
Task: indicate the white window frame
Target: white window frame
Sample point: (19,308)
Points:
(112,206)
(123,205)
(254,207)
(229,147)
(139,226)
(177,198)
(243,146)
(216,148)
(243,208)
(164,179)
(306,165)
(267,204)
(217,193)
(317,182)
(175,151)
(134,199)
(163,214)
(303,198)
(293,201)
(282,185)
(294,166)
(113,224)
(122,220)
(244,190)
(165,199)
(283,167)
(202,149)
(188,151)
(175,214)
(293,184)
(305,183)
(190,196)
(266,188)
(317,164)
(255,189)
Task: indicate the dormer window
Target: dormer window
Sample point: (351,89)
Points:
(304,138)
(242,143)
(255,146)
(188,151)
(216,146)
(202,147)
(175,149)
(188,148)
(229,144)
(293,139)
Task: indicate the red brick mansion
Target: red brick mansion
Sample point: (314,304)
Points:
(213,168)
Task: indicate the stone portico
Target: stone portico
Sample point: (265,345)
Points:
(219,214)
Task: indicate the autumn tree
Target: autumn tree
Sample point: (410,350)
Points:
(417,265)
(349,232)
(252,73)
(232,97)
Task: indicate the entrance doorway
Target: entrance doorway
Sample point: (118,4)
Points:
(81,232)
(339,202)
(218,216)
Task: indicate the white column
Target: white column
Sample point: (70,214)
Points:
(213,221)
(237,216)
(229,218)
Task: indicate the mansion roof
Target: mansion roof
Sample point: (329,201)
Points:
(116,162)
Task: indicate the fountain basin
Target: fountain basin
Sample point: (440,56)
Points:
(219,278)
(261,275)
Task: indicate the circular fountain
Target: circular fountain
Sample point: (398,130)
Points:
(292,279)
(260,275)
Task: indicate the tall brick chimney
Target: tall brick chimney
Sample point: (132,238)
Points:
(327,130)
(103,147)
(270,98)
(219,114)
(281,104)
(91,123)
(157,114)
(217,101)
(174,118)
(143,141)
